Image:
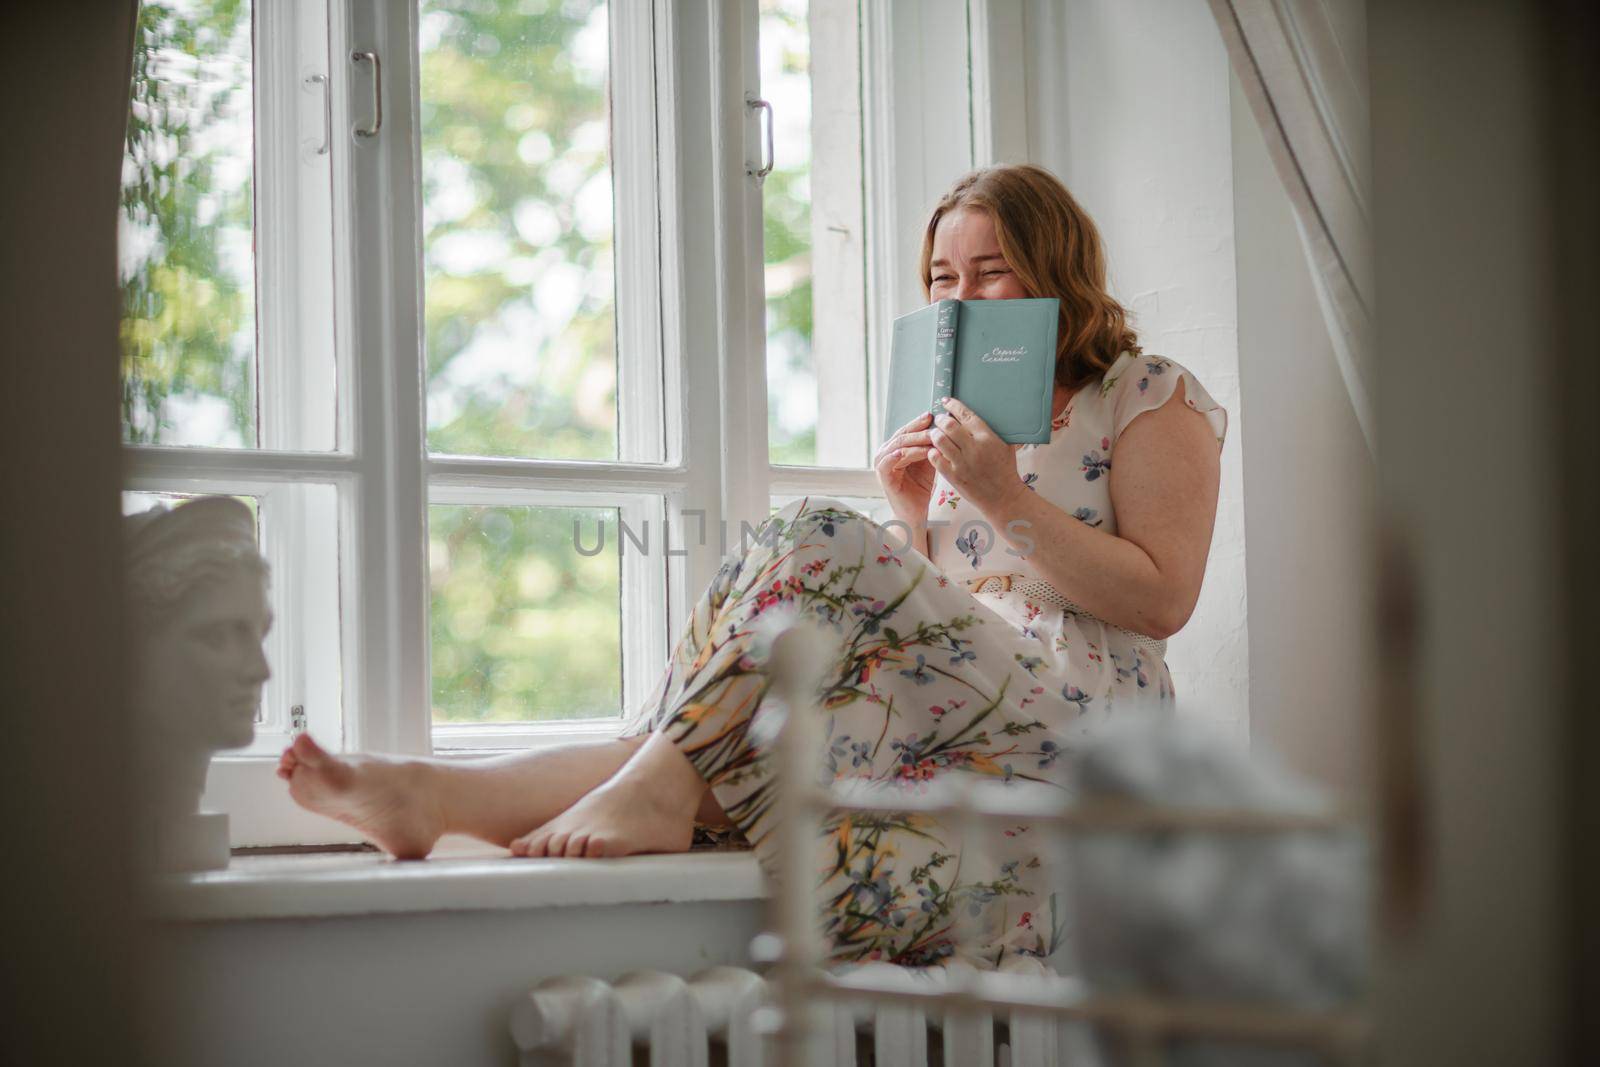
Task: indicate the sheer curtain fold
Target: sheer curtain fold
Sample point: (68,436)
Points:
(1302,65)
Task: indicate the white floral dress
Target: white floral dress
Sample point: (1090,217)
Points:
(931,679)
(1072,471)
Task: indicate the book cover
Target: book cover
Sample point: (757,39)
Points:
(996,356)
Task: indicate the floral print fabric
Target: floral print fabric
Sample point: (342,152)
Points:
(930,681)
(1072,470)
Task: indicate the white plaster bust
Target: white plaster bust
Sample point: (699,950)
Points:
(198,606)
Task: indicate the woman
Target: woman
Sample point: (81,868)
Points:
(985,647)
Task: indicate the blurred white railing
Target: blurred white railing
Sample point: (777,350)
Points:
(1141,1027)
(805,1013)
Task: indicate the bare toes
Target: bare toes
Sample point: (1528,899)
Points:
(307,750)
(576,846)
(596,848)
(557,845)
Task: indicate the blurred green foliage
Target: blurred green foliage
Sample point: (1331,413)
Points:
(515,129)
(188,323)
(524,627)
(786,235)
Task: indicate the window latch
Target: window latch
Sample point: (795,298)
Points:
(327,111)
(377,92)
(761,175)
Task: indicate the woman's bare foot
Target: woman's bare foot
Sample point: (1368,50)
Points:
(389,800)
(647,806)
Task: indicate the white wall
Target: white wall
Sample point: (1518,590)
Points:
(1311,484)
(423,989)
(1127,101)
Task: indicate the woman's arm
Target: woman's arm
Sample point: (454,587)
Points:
(1164,484)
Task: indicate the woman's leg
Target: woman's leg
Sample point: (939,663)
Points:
(404,804)
(649,805)
(698,721)
(640,793)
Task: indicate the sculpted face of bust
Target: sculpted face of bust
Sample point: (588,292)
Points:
(204,667)
(198,593)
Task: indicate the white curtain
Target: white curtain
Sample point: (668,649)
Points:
(1302,64)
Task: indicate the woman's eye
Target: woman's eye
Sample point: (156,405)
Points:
(994,273)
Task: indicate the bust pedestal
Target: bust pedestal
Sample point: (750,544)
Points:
(195,842)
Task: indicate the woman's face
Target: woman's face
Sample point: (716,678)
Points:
(967,264)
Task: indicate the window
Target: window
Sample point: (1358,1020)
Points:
(465,300)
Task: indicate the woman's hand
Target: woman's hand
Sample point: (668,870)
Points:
(973,458)
(904,472)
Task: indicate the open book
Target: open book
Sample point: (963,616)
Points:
(996,356)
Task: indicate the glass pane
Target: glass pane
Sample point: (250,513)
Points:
(521,307)
(526,619)
(813,233)
(187,264)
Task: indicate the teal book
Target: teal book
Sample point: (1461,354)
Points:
(996,356)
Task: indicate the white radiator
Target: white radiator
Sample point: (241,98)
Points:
(724,1016)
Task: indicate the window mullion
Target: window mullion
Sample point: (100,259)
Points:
(736,145)
(385,528)
(690,307)
(909,164)
(296,369)
(640,383)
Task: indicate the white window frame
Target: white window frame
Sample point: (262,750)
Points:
(691,349)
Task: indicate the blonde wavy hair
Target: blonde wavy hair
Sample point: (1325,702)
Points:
(1052,245)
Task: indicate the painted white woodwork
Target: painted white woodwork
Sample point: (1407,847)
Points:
(461,876)
(1000,89)
(641,401)
(838,235)
(916,118)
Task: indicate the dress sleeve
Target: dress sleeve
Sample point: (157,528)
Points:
(1147,382)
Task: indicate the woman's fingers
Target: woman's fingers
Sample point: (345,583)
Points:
(902,439)
(965,417)
(909,457)
(949,435)
(921,438)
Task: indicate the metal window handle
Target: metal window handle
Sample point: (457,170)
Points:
(760,175)
(377,92)
(327,111)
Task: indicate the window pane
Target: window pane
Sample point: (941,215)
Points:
(526,619)
(813,233)
(517,213)
(187,266)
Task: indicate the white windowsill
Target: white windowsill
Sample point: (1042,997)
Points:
(456,878)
